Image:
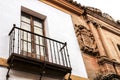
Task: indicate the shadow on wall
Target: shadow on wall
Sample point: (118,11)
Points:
(18,75)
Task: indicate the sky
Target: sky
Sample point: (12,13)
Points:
(111,7)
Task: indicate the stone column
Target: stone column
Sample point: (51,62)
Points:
(97,38)
(104,42)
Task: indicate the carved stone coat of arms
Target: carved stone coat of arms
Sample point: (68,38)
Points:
(86,40)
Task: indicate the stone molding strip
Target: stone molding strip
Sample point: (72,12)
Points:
(68,5)
(89,12)
(109,28)
(104,59)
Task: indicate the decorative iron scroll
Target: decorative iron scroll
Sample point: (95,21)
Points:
(86,40)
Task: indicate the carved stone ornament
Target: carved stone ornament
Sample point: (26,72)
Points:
(98,11)
(86,40)
(118,22)
(74,3)
(107,16)
(108,77)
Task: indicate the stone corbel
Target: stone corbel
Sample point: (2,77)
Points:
(106,66)
(104,59)
(109,65)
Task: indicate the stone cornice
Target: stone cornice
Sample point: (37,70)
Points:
(110,76)
(109,28)
(112,23)
(104,59)
(72,7)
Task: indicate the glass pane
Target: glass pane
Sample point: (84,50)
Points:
(42,50)
(39,40)
(29,37)
(26,47)
(38,52)
(25,19)
(25,36)
(25,26)
(38,31)
(38,23)
(29,47)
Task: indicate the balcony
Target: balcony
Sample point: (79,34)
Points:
(37,54)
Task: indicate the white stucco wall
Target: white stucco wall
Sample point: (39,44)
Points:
(58,26)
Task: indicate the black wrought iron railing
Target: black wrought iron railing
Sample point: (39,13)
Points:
(29,44)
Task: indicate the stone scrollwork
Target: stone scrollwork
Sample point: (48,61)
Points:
(86,40)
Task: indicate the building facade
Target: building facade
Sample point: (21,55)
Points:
(36,42)
(57,40)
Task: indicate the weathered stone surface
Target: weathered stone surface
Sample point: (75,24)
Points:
(3,62)
(92,66)
(107,16)
(74,77)
(117,69)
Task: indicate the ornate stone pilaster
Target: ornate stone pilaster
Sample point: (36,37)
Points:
(107,63)
(97,38)
(104,41)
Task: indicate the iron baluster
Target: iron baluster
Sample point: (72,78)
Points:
(65,54)
(18,40)
(58,53)
(51,50)
(13,40)
(68,55)
(54,52)
(62,55)
(27,43)
(39,47)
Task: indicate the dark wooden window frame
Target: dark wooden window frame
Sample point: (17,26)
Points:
(40,17)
